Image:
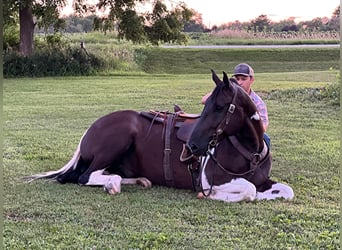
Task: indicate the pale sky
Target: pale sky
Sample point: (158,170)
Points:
(216,12)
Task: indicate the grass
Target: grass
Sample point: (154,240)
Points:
(45,118)
(187,61)
(123,56)
(243,37)
(220,37)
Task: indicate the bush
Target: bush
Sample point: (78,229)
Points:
(329,94)
(11,37)
(52,62)
(332,92)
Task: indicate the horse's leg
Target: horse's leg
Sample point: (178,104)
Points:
(96,165)
(111,183)
(234,191)
(113,186)
(72,174)
(277,190)
(142,181)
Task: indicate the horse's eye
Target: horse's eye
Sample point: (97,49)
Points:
(218,108)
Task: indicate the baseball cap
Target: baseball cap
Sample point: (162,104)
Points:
(243,69)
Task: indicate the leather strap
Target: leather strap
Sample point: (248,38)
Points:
(168,174)
(254,158)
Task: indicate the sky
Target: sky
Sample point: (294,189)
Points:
(217,12)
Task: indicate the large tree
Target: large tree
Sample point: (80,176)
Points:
(29,13)
(155,26)
(158,25)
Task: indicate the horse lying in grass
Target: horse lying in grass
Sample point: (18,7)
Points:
(220,154)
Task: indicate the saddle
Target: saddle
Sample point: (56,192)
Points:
(184,122)
(178,119)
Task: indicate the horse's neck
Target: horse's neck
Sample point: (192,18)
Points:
(251,135)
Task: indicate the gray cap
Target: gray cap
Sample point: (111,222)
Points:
(243,69)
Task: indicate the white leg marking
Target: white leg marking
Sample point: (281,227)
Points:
(142,181)
(111,183)
(277,190)
(235,191)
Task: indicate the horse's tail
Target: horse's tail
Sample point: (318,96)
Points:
(54,174)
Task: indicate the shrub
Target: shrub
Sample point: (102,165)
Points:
(11,37)
(332,92)
(52,62)
(329,94)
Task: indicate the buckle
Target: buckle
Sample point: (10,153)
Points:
(256,158)
(231,108)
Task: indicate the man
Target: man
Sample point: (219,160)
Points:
(244,75)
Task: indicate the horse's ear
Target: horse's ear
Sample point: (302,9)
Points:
(216,79)
(225,79)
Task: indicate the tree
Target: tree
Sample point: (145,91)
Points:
(167,26)
(336,12)
(164,25)
(261,23)
(195,24)
(159,25)
(76,24)
(288,24)
(334,22)
(29,13)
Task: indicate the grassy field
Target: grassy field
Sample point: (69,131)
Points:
(194,61)
(240,37)
(45,118)
(126,57)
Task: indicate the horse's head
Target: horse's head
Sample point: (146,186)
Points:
(225,113)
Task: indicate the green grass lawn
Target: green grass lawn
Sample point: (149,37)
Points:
(45,118)
(194,61)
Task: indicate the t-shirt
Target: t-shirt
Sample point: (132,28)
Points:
(261,107)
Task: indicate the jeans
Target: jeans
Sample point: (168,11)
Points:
(267,139)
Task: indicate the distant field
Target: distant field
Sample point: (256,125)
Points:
(192,61)
(45,118)
(123,56)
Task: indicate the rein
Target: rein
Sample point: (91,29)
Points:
(254,158)
(214,143)
(213,157)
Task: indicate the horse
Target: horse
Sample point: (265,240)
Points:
(219,153)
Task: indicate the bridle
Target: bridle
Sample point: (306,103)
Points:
(214,143)
(224,123)
(254,158)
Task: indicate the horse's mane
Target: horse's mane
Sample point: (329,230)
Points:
(255,125)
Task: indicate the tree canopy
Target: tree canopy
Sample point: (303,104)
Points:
(159,25)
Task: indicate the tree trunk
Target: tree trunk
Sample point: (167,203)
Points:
(26,30)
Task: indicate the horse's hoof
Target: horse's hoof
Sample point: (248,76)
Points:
(200,195)
(111,189)
(144,182)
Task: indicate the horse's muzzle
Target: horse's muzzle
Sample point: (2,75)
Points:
(187,156)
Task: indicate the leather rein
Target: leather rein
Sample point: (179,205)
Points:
(254,158)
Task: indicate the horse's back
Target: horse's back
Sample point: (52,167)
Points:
(133,145)
(114,131)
